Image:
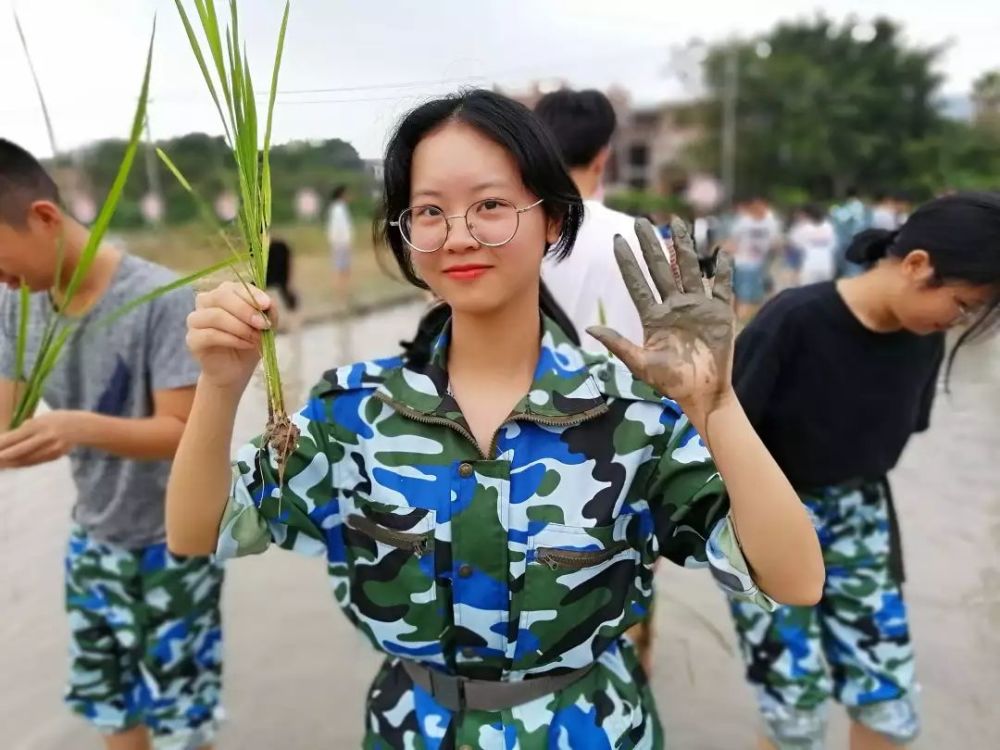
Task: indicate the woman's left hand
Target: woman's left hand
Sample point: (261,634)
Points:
(687,352)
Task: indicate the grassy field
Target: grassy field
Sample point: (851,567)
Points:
(186,249)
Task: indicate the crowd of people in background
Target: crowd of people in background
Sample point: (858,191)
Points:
(807,245)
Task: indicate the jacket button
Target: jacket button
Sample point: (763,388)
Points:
(465,471)
(465,570)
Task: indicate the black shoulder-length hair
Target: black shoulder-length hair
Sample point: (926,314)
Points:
(514,127)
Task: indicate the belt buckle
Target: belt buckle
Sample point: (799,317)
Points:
(448,690)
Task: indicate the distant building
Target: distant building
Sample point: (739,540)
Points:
(648,149)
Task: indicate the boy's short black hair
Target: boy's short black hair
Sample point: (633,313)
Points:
(23,180)
(581,121)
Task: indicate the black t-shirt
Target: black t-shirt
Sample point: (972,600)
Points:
(832,400)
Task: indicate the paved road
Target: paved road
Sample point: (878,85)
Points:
(296,673)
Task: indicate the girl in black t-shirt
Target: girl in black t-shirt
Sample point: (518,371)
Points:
(874,342)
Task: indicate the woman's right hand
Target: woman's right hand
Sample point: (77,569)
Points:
(224,333)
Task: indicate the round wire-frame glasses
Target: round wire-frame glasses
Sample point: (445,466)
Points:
(496,224)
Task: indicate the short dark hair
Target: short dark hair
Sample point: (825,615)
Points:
(23,180)
(581,121)
(338,192)
(505,122)
(511,125)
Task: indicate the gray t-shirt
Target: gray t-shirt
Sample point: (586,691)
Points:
(114,370)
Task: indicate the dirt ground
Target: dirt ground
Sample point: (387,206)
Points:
(296,673)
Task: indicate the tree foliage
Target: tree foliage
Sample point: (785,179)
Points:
(205,161)
(822,108)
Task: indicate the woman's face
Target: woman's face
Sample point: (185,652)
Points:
(924,305)
(453,168)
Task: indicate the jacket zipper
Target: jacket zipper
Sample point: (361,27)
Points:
(567,421)
(573,421)
(415,543)
(416,416)
(571,559)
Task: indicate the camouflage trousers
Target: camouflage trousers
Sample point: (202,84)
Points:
(609,708)
(145,641)
(854,645)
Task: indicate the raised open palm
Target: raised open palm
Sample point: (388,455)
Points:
(687,351)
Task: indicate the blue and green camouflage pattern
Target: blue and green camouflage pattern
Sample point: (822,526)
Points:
(145,641)
(854,645)
(531,559)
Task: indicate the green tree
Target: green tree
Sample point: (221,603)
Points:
(986,99)
(204,160)
(822,107)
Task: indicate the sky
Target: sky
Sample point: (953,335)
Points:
(352,68)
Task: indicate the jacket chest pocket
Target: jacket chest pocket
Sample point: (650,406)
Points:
(393,591)
(578,583)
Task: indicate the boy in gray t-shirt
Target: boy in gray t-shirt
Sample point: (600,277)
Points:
(145,627)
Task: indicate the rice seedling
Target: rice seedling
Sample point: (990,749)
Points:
(61,327)
(231,88)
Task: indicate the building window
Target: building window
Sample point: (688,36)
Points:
(638,155)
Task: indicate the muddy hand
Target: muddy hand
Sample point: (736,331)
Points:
(687,350)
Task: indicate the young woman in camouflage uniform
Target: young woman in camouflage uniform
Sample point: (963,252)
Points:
(836,377)
(491,506)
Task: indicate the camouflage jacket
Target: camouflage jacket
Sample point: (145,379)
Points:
(533,558)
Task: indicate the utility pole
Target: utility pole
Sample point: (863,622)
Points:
(729,98)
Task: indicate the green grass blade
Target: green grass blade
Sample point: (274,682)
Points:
(210,25)
(196,48)
(178,175)
(38,87)
(203,208)
(274,79)
(20,353)
(107,211)
(60,259)
(131,305)
(265,181)
(46,362)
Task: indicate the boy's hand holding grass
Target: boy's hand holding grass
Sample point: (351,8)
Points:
(47,437)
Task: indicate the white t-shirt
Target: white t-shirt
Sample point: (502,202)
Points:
(338,224)
(817,241)
(754,239)
(884,218)
(590,275)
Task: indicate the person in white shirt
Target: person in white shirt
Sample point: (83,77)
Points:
(885,214)
(340,236)
(814,238)
(753,240)
(587,284)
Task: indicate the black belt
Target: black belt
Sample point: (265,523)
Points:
(460,693)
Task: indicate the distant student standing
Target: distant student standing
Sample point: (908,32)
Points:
(836,377)
(754,237)
(587,282)
(340,236)
(814,240)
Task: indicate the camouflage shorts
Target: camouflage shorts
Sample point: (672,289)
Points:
(145,641)
(854,645)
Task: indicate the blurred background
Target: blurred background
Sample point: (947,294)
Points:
(878,105)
